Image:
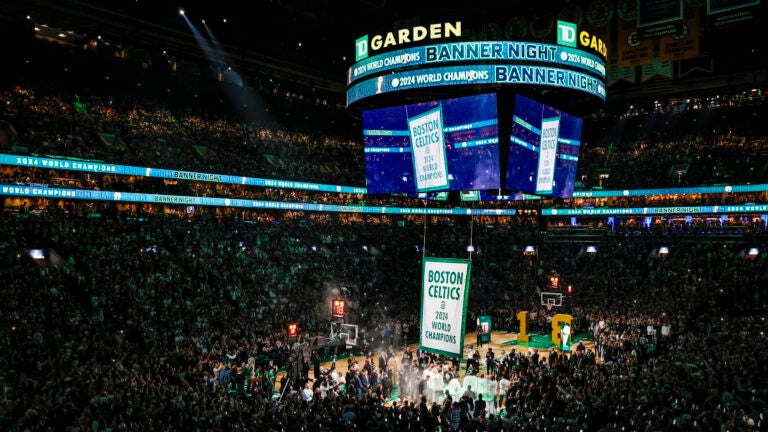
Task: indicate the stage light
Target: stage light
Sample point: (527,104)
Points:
(591,249)
(181,12)
(203,21)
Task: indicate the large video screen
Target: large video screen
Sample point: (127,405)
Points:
(543,150)
(449,144)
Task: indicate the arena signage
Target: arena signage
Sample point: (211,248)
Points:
(762,187)
(444,295)
(366,45)
(569,35)
(100,167)
(45,191)
(485,51)
(656,211)
(477,74)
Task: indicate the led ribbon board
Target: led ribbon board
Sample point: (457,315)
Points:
(42,191)
(657,211)
(501,52)
(481,62)
(763,187)
(100,167)
(477,74)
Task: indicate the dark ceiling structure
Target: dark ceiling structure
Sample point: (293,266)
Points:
(312,41)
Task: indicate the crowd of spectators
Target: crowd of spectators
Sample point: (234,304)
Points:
(146,132)
(129,321)
(696,142)
(690,146)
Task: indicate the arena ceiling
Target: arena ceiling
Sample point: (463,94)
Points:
(314,33)
(313,40)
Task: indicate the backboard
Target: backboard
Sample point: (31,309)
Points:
(550,299)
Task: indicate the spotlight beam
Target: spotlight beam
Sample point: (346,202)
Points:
(217,57)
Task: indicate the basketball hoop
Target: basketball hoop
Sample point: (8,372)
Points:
(551,299)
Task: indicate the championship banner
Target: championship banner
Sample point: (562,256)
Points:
(444,294)
(545,176)
(565,337)
(684,45)
(657,18)
(632,50)
(430,164)
(725,13)
(656,68)
(615,74)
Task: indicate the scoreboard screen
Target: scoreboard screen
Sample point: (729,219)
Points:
(543,149)
(441,145)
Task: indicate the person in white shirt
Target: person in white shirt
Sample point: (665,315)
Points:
(325,388)
(470,356)
(435,384)
(335,376)
(306,394)
(504,385)
(492,393)
(666,329)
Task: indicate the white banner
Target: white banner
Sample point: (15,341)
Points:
(444,294)
(547,153)
(430,164)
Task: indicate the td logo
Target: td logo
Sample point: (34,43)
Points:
(566,34)
(361,48)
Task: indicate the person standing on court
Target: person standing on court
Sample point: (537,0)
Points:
(479,331)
